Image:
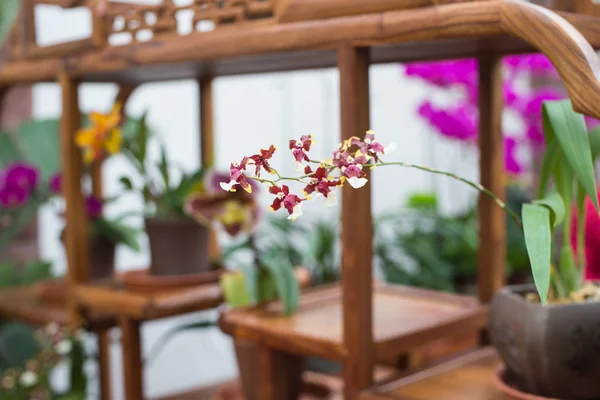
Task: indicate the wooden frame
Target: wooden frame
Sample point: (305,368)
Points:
(350,36)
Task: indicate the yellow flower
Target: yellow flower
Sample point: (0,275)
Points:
(103,137)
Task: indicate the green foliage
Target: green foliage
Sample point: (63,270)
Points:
(163,197)
(419,246)
(17,343)
(538,236)
(281,274)
(8,14)
(116,232)
(569,165)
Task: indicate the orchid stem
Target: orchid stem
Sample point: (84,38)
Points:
(474,185)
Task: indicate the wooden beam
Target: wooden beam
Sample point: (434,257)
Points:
(207,145)
(76,235)
(492,245)
(357,230)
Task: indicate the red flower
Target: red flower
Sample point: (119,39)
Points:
(370,147)
(262,160)
(354,170)
(237,177)
(300,149)
(289,201)
(322,183)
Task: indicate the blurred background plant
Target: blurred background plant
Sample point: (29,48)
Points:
(32,378)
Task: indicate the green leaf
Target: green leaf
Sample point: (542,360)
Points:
(9,10)
(551,158)
(235,289)
(36,271)
(17,343)
(9,152)
(163,340)
(126,182)
(8,274)
(594,138)
(118,233)
(536,227)
(78,377)
(285,282)
(251,278)
(555,204)
(567,269)
(568,127)
(39,142)
(163,166)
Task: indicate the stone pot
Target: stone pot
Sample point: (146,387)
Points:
(178,246)
(102,258)
(551,351)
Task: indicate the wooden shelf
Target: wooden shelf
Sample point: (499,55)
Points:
(259,48)
(141,306)
(466,377)
(30,304)
(404,318)
(317,387)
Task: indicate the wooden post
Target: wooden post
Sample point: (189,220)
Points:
(132,358)
(357,229)
(492,247)
(207,144)
(280,375)
(104,363)
(207,136)
(76,233)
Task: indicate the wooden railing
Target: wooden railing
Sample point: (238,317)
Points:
(139,22)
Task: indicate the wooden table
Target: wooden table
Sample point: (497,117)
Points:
(464,378)
(132,309)
(403,319)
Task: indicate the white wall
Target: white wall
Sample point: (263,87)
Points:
(251,112)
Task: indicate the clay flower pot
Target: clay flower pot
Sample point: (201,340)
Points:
(178,246)
(102,257)
(550,351)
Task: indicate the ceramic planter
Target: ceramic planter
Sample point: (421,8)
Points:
(551,351)
(178,246)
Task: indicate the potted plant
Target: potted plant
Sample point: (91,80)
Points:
(167,224)
(104,234)
(546,333)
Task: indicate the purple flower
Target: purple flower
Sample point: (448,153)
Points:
(21,175)
(445,73)
(511,164)
(13,197)
(457,122)
(93,207)
(55,184)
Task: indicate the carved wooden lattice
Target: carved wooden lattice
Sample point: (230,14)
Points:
(162,19)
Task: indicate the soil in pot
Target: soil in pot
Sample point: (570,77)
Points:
(178,246)
(551,351)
